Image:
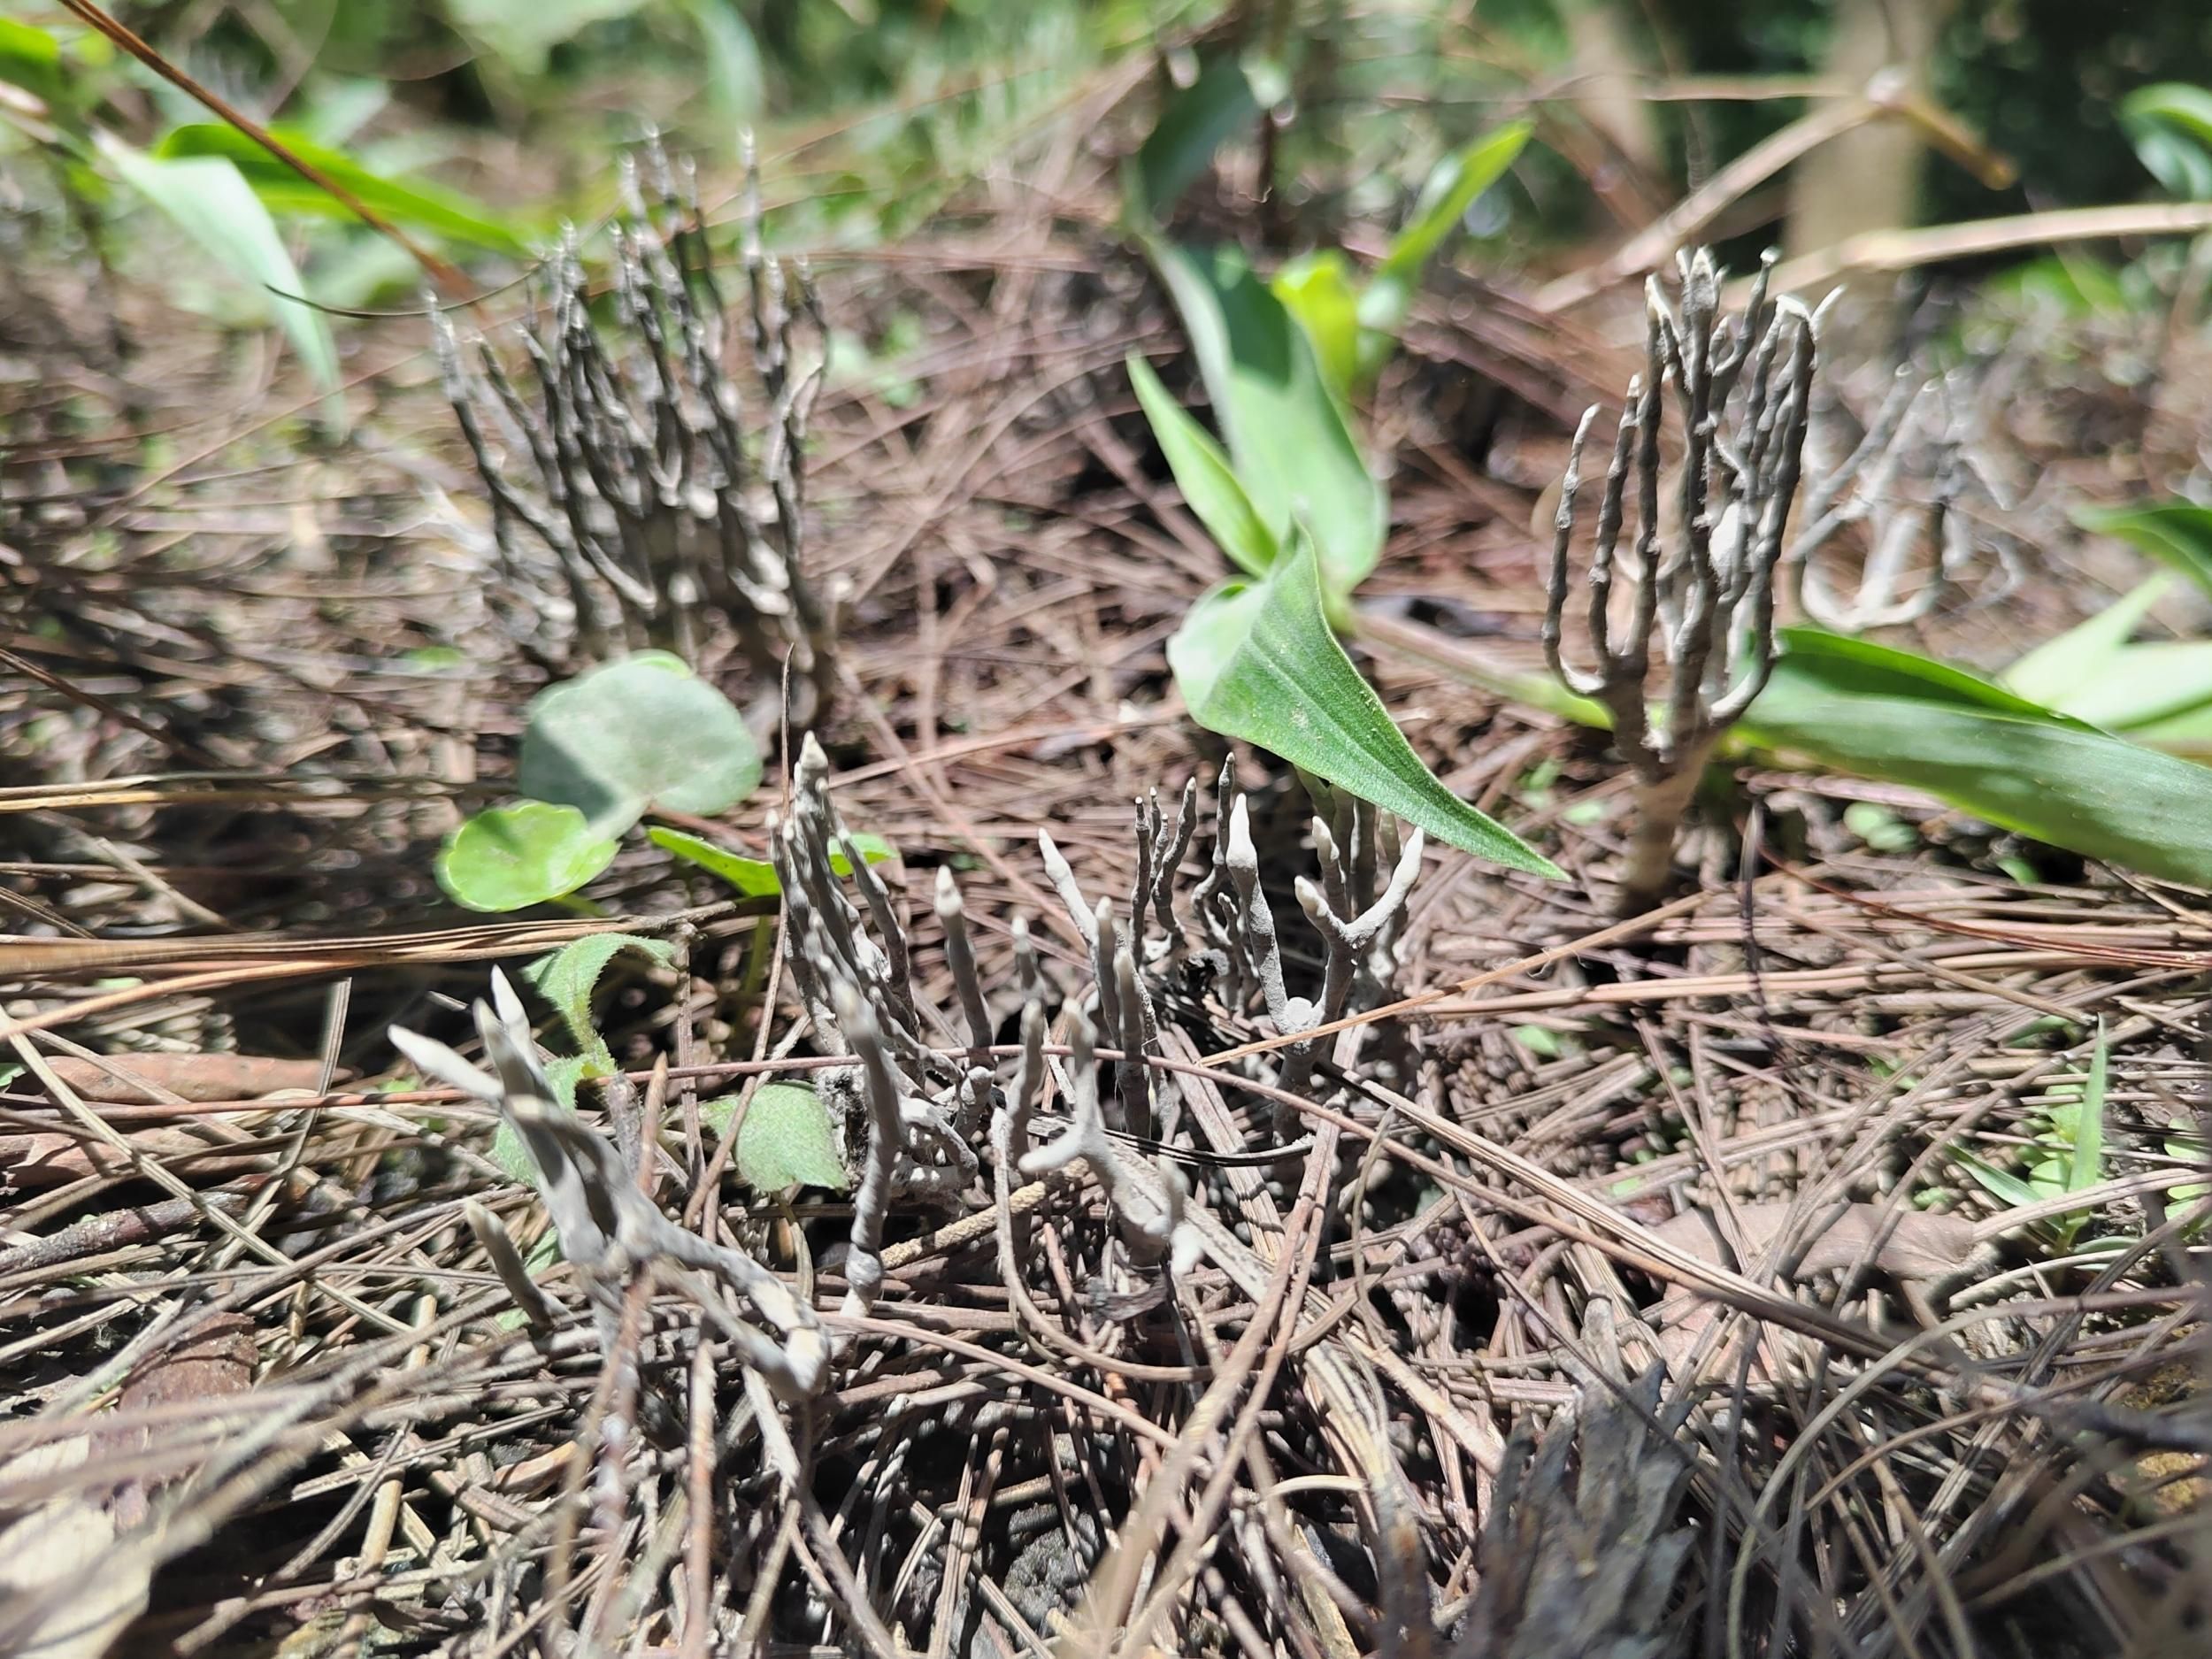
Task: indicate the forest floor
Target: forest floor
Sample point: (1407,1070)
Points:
(1679,1201)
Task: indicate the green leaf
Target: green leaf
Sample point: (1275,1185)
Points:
(1229,92)
(521,33)
(1203,474)
(2085,1152)
(31,58)
(1450,191)
(417,205)
(2060,668)
(1256,661)
(514,856)
(2170,126)
(1285,430)
(731,58)
(756,878)
(786,1141)
(639,733)
(2141,688)
(2008,1190)
(1316,288)
(2178,531)
(567,978)
(212,203)
(1890,715)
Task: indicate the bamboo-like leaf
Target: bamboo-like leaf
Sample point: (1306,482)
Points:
(2059,667)
(1888,714)
(1258,661)
(1318,290)
(2178,531)
(1285,430)
(212,203)
(756,878)
(1445,198)
(421,206)
(1203,474)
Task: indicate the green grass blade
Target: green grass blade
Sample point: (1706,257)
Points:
(1203,474)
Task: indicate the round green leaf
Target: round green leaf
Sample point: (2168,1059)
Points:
(513,857)
(787,1141)
(639,733)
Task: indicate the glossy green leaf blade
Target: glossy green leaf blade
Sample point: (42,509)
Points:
(1285,432)
(1203,474)
(2178,531)
(2170,126)
(2062,667)
(514,856)
(417,205)
(212,203)
(641,732)
(1886,714)
(1229,94)
(1256,661)
(787,1139)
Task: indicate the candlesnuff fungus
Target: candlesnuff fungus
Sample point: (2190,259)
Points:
(624,453)
(1704,560)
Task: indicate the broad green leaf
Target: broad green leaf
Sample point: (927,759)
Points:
(2170,126)
(1228,94)
(212,203)
(1203,474)
(756,878)
(639,733)
(2178,531)
(566,978)
(787,1139)
(1889,715)
(1285,430)
(416,205)
(2061,668)
(514,856)
(1317,289)
(1256,661)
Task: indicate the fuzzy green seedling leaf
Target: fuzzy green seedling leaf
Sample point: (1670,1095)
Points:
(211,201)
(1258,661)
(418,205)
(510,858)
(1203,474)
(2177,533)
(756,878)
(567,978)
(786,1141)
(630,735)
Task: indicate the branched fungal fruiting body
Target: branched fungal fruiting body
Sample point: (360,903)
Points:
(1704,562)
(659,511)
